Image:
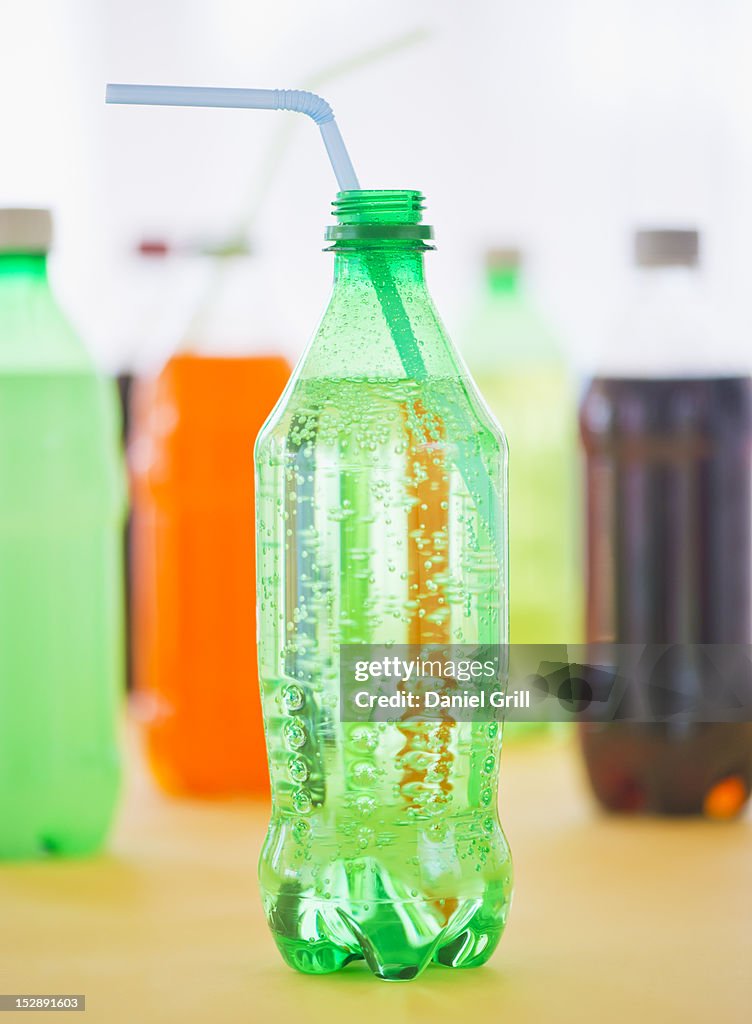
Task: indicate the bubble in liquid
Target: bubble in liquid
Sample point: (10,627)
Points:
(418,760)
(364,738)
(301,830)
(295,734)
(293,697)
(437,831)
(436,803)
(365,805)
(364,773)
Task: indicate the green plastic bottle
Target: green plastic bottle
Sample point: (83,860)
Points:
(523,375)
(381,518)
(60,565)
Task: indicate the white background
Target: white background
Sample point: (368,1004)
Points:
(557,124)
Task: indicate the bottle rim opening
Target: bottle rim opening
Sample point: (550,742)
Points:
(379,214)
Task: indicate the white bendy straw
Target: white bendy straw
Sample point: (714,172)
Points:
(298,100)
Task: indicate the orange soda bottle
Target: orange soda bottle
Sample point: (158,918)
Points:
(193,573)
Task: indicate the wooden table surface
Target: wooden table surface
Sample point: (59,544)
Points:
(613,920)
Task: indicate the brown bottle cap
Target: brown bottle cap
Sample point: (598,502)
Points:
(25,230)
(667,247)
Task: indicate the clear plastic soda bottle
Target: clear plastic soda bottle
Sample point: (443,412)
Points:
(61,565)
(381,519)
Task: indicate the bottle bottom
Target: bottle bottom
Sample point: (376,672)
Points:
(178,777)
(396,939)
(51,844)
(652,769)
(25,835)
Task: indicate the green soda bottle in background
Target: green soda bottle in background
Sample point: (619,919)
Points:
(61,517)
(381,519)
(523,375)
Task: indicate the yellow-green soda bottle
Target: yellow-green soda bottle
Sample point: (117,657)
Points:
(61,568)
(524,376)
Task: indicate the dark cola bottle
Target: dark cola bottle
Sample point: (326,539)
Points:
(669,550)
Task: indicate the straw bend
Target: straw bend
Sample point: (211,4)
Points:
(305,103)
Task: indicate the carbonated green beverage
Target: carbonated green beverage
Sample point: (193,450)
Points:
(60,566)
(522,373)
(381,519)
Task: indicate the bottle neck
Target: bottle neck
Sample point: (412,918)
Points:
(678,281)
(503,280)
(380,321)
(14,265)
(360,264)
(34,334)
(665,329)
